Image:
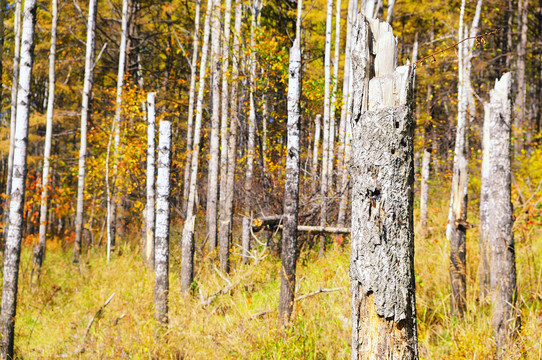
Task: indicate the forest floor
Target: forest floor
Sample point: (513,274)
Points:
(242,323)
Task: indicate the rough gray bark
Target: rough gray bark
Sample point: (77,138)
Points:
(213,169)
(500,219)
(12,254)
(191,99)
(87,89)
(15,82)
(291,189)
(315,151)
(161,277)
(226,200)
(519,120)
(187,242)
(457,216)
(382,169)
(39,250)
(150,210)
(483,268)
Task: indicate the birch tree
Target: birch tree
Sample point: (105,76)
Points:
(87,90)
(291,189)
(39,250)
(426,162)
(191,99)
(226,198)
(457,217)
(519,123)
(382,169)
(503,281)
(187,242)
(12,254)
(13,117)
(213,169)
(150,224)
(315,152)
(161,277)
(483,267)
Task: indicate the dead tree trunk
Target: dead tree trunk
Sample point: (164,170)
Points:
(483,269)
(161,285)
(12,254)
(291,189)
(187,260)
(519,123)
(87,89)
(39,250)
(500,219)
(382,169)
(150,213)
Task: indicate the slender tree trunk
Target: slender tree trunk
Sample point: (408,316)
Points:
(245,239)
(500,219)
(87,90)
(325,148)
(483,269)
(382,258)
(426,162)
(519,121)
(457,217)
(14,87)
(213,169)
(332,130)
(150,225)
(187,260)
(191,99)
(291,189)
(39,250)
(389,15)
(12,254)
(161,277)
(315,152)
(112,201)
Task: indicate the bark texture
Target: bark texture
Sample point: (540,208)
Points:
(483,269)
(87,89)
(12,254)
(151,172)
(291,189)
(39,250)
(382,169)
(500,218)
(161,284)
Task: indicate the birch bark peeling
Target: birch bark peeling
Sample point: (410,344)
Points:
(382,170)
(87,89)
(151,172)
(503,281)
(161,286)
(291,189)
(12,253)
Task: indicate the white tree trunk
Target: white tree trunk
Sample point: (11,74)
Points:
(332,129)
(14,87)
(315,152)
(426,163)
(213,168)
(191,99)
(483,268)
(500,219)
(12,253)
(382,258)
(39,250)
(519,121)
(187,260)
(150,225)
(87,90)
(161,277)
(291,188)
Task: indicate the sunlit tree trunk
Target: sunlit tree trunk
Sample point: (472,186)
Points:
(39,250)
(13,118)
(502,262)
(483,268)
(161,277)
(291,189)
(228,170)
(12,254)
(389,15)
(332,129)
(187,260)
(150,215)
(87,90)
(426,163)
(112,200)
(519,120)
(457,217)
(214,151)
(191,100)
(315,153)
(327,120)
(382,168)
